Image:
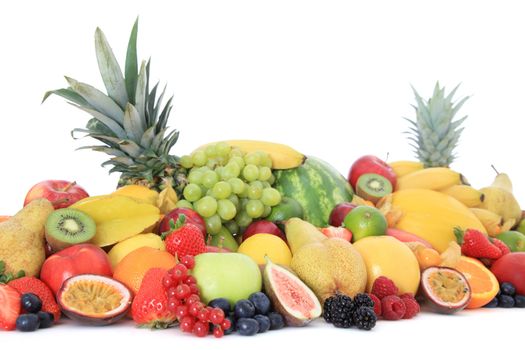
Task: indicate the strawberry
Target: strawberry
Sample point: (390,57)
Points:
(502,246)
(184,238)
(476,244)
(150,305)
(9,307)
(34,285)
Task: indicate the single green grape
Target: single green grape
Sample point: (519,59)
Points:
(266,160)
(254,208)
(250,172)
(264,173)
(213,224)
(237,160)
(270,197)
(265,184)
(199,158)
(206,206)
(192,192)
(238,186)
(223,149)
(235,200)
(183,203)
(226,209)
(232,227)
(211,151)
(186,162)
(210,178)
(253,158)
(255,190)
(221,190)
(243,219)
(236,152)
(267,211)
(195,177)
(212,163)
(230,170)
(271,180)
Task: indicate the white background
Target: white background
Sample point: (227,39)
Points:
(330,78)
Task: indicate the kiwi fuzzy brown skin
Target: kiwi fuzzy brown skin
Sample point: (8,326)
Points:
(58,237)
(366,192)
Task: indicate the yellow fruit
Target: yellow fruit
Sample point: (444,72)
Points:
(141,193)
(264,244)
(430,178)
(387,256)
(404,167)
(491,221)
(432,216)
(465,194)
(121,249)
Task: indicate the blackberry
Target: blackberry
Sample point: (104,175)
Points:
(339,310)
(362,299)
(364,318)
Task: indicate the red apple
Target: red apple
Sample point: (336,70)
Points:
(72,261)
(337,216)
(262,226)
(339,232)
(371,164)
(191,217)
(60,193)
(511,268)
(404,236)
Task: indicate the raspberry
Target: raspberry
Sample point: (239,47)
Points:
(412,307)
(393,308)
(383,287)
(377,304)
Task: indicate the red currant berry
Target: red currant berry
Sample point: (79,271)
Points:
(195,308)
(171,292)
(200,329)
(182,291)
(188,261)
(216,316)
(180,271)
(194,298)
(226,324)
(190,280)
(204,315)
(218,332)
(167,281)
(187,323)
(194,289)
(181,311)
(173,303)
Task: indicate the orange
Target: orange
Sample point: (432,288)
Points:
(483,283)
(132,268)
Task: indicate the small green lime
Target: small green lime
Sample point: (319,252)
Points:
(364,221)
(286,209)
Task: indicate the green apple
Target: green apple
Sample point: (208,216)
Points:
(232,276)
(513,239)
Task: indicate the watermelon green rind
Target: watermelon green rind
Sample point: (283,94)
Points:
(317,186)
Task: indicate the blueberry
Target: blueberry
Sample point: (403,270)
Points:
(31,303)
(519,300)
(276,320)
(506,301)
(492,304)
(27,323)
(508,289)
(247,326)
(261,302)
(232,327)
(46,319)
(244,309)
(221,303)
(264,322)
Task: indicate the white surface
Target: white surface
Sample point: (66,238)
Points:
(330,78)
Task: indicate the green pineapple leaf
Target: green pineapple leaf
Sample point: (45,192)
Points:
(131,69)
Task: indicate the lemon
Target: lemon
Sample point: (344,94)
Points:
(264,244)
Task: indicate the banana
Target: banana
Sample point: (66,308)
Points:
(490,220)
(405,167)
(465,194)
(431,179)
(283,156)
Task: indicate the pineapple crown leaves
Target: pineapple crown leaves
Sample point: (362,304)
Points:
(435,134)
(131,120)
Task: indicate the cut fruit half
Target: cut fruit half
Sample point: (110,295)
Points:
(483,283)
(66,227)
(446,289)
(373,187)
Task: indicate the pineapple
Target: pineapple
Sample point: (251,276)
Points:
(434,134)
(129,120)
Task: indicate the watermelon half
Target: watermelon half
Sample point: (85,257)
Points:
(317,186)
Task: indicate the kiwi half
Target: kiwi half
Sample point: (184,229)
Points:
(373,187)
(66,227)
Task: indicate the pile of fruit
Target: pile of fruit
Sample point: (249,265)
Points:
(248,236)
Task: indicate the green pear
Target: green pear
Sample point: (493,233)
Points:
(300,232)
(513,239)
(22,244)
(500,200)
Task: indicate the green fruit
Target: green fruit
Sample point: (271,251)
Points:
(521,226)
(365,221)
(232,276)
(317,186)
(287,209)
(513,239)
(224,239)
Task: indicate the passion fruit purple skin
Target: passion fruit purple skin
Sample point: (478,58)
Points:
(96,320)
(434,301)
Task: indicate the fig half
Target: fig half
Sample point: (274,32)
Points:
(94,299)
(446,289)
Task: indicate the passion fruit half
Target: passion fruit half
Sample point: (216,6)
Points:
(446,289)
(94,299)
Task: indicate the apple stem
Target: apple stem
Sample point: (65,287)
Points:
(387,156)
(60,201)
(69,185)
(496,170)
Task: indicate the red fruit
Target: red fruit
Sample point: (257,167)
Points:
(204,315)
(194,289)
(179,272)
(191,217)
(339,232)
(189,280)
(187,323)
(393,308)
(173,303)
(150,305)
(34,285)
(371,164)
(502,246)
(182,291)
(338,214)
(182,311)
(226,324)
(194,298)
(218,332)
(9,307)
(377,304)
(167,281)
(511,268)
(188,261)
(475,244)
(201,329)
(60,193)
(78,259)
(195,308)
(216,316)
(411,306)
(383,287)
(404,236)
(262,226)
(185,240)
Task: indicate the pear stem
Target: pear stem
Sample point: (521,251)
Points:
(496,170)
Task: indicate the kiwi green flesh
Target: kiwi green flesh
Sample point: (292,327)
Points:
(373,187)
(66,227)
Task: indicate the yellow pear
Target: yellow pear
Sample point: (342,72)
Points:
(300,232)
(22,244)
(329,266)
(500,200)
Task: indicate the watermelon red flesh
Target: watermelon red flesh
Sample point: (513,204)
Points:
(317,186)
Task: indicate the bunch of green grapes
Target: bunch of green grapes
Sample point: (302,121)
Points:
(229,188)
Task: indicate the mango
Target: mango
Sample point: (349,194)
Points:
(123,248)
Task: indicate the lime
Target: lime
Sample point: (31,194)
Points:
(288,208)
(364,221)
